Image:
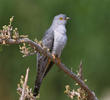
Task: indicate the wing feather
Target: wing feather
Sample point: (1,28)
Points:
(47,41)
(42,60)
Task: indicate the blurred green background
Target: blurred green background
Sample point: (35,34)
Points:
(88,34)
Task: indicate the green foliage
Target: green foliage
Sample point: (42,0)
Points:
(88,39)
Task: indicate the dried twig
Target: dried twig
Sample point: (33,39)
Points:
(24,85)
(61,65)
(79,92)
(80,70)
(4,39)
(23,89)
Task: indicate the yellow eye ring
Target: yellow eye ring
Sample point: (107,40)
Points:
(61,18)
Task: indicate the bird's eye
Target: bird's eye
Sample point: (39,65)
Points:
(61,18)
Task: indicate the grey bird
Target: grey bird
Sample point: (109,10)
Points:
(54,39)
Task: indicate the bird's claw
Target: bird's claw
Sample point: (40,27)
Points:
(53,57)
(57,58)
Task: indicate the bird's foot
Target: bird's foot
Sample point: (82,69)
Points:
(58,60)
(49,60)
(54,57)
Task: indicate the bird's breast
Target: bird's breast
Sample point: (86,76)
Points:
(60,38)
(60,34)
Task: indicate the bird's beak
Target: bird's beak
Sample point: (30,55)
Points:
(67,18)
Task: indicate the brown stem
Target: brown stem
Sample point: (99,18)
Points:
(24,85)
(91,95)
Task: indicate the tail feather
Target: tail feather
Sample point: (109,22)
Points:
(44,65)
(49,67)
(37,87)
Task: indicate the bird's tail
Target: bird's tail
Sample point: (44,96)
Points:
(37,86)
(42,72)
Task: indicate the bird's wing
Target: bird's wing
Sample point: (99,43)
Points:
(42,61)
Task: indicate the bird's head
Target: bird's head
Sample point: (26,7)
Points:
(60,19)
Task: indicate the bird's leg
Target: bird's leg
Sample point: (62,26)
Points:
(54,57)
(57,58)
(48,62)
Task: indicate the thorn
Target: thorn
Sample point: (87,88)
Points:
(80,70)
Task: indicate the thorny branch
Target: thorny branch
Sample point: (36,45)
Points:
(79,92)
(8,35)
